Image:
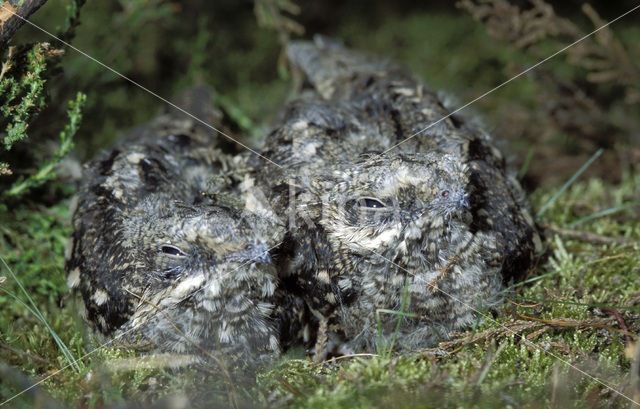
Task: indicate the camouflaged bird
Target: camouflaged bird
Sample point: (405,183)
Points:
(437,215)
(162,253)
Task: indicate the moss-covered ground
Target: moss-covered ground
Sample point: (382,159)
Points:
(552,343)
(563,338)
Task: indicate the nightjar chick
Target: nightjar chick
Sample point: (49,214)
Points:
(389,230)
(438,213)
(388,109)
(161,254)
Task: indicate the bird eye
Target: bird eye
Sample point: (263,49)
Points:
(173,251)
(370,203)
(444,193)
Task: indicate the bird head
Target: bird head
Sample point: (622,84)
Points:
(386,203)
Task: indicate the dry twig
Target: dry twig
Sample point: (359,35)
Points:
(586,236)
(9,22)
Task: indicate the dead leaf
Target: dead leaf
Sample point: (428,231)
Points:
(6,12)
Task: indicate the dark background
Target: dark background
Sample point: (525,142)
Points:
(169,45)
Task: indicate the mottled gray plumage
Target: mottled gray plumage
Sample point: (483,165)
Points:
(439,210)
(162,252)
(171,235)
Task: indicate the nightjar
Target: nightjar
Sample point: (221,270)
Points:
(436,222)
(163,252)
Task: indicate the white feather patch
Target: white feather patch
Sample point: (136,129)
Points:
(74,278)
(188,286)
(100,297)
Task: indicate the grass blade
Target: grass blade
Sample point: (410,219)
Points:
(569,183)
(63,348)
(19,300)
(381,346)
(405,298)
(605,213)
(527,162)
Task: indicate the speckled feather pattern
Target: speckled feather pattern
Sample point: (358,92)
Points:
(159,255)
(437,214)
(377,201)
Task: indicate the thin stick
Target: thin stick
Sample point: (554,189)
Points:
(586,236)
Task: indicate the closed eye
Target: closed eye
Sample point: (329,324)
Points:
(172,251)
(370,203)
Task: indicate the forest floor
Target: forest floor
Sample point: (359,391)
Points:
(564,337)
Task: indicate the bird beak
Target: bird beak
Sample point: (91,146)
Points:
(462,200)
(264,258)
